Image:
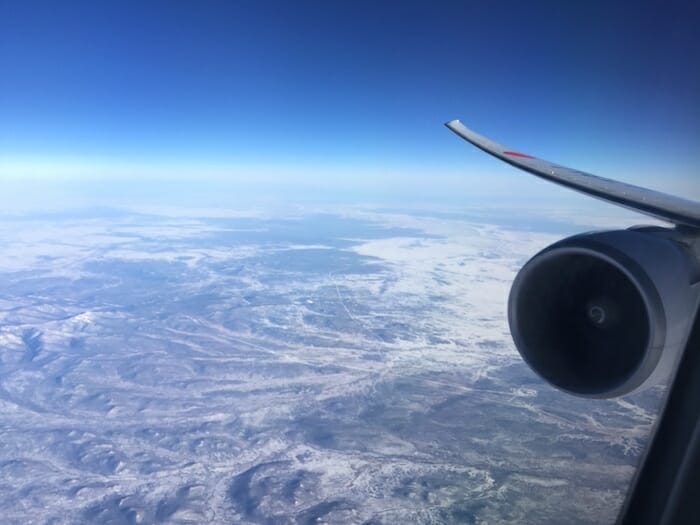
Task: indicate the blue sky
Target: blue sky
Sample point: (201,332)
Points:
(331,98)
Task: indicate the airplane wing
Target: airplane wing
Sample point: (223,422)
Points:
(660,205)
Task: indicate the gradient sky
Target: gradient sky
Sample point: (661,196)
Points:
(346,96)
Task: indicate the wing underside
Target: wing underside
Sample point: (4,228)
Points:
(656,204)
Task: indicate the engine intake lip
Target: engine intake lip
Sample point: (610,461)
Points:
(546,309)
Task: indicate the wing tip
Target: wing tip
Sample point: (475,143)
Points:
(677,210)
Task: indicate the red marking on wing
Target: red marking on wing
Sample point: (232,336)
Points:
(516,154)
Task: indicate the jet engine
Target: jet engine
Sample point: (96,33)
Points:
(604,314)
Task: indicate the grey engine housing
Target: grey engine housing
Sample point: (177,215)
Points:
(604,314)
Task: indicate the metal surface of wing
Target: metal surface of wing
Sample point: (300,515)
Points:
(660,205)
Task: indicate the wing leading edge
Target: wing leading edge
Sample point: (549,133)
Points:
(660,205)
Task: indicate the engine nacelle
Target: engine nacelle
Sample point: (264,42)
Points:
(603,314)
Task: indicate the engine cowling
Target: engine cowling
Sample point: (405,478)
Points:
(604,314)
